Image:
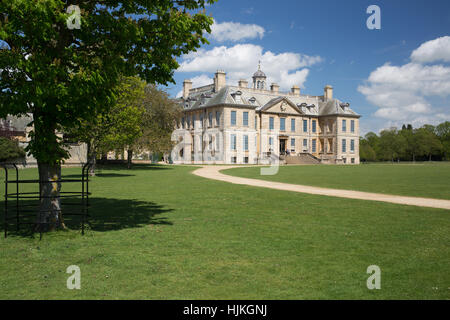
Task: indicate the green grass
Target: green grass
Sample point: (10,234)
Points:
(418,180)
(163,233)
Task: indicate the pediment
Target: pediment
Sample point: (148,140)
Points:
(281,105)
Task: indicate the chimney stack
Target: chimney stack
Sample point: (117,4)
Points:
(219,80)
(295,90)
(243,83)
(328,92)
(274,87)
(187,85)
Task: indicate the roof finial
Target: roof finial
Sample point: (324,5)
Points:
(259,65)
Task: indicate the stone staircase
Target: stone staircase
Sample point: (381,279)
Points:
(301,158)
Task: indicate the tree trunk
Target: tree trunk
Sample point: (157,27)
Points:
(129,158)
(91,158)
(429,159)
(49,216)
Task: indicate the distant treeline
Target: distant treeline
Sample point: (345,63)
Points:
(408,144)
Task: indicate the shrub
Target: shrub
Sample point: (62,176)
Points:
(10,150)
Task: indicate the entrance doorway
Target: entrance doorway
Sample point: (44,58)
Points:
(283,142)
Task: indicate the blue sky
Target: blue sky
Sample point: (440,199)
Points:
(314,43)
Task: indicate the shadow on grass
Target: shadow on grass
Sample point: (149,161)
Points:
(115,214)
(105,215)
(101,170)
(139,166)
(100,174)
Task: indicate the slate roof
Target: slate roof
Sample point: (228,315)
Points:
(258,99)
(259,73)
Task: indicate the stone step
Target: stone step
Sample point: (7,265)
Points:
(302,158)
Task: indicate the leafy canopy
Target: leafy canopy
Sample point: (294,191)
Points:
(64,76)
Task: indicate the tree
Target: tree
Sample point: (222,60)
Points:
(126,116)
(366,152)
(159,120)
(118,128)
(392,144)
(412,147)
(10,150)
(443,133)
(374,142)
(428,141)
(65,75)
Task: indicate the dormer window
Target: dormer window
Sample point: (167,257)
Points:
(301,106)
(204,97)
(252,100)
(344,106)
(237,96)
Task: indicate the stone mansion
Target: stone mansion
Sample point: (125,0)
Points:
(228,124)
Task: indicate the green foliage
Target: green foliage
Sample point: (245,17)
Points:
(366,152)
(10,150)
(117,128)
(428,142)
(125,116)
(392,145)
(64,76)
(142,119)
(443,132)
(159,120)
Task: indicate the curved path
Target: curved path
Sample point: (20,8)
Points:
(213,172)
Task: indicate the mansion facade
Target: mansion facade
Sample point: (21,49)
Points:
(227,124)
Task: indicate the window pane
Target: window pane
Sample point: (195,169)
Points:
(233,142)
(245,119)
(282,124)
(271,122)
(293,125)
(233,118)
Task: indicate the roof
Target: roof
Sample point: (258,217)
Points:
(336,107)
(259,73)
(260,100)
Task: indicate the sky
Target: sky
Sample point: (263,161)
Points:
(399,74)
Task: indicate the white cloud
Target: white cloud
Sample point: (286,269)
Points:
(432,51)
(198,81)
(241,61)
(404,94)
(235,31)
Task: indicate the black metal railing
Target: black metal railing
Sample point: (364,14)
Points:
(20,213)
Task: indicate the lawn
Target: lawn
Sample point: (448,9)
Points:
(159,232)
(430,180)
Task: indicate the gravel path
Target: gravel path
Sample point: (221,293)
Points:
(213,172)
